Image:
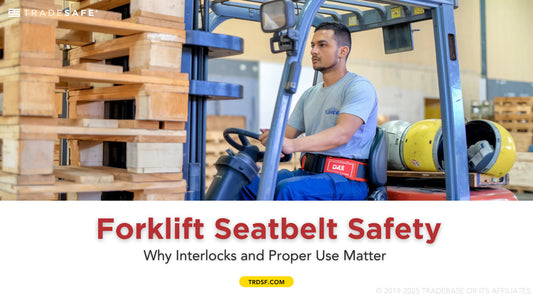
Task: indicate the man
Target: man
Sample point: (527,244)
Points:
(338,117)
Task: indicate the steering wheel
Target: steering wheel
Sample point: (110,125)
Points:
(243,135)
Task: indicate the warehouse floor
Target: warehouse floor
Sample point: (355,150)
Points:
(524,196)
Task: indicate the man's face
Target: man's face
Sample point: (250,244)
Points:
(324,50)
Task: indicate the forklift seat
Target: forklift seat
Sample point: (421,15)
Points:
(377,167)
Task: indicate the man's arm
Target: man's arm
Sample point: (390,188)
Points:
(290,132)
(340,134)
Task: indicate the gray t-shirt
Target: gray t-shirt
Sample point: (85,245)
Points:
(319,107)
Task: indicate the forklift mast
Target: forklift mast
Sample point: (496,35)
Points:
(393,16)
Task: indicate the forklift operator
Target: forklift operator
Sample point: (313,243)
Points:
(338,117)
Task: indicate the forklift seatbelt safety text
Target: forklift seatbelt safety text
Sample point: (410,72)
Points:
(274,229)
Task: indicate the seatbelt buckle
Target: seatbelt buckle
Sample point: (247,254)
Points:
(313,163)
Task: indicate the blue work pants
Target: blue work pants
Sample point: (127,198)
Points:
(302,185)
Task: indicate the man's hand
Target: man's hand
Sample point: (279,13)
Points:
(263,137)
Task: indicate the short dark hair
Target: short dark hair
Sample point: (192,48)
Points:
(343,36)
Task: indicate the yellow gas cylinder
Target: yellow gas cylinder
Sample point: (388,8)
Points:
(422,146)
(501,160)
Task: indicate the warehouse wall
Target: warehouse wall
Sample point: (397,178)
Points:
(403,80)
(509,41)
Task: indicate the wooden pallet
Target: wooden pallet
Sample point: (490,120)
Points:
(160,104)
(522,140)
(28,42)
(521,173)
(30,69)
(520,189)
(474,179)
(31,41)
(168,13)
(154,102)
(514,113)
(76,180)
(521,192)
(216,146)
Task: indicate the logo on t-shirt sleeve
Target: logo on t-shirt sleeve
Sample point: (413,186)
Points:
(332,111)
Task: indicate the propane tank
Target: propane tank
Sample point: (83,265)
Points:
(395,131)
(423,147)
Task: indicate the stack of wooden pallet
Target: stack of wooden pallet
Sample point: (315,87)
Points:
(216,146)
(31,73)
(516,115)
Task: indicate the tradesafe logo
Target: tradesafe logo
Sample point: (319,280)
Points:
(17,12)
(332,111)
(13,12)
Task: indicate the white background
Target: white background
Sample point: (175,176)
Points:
(52,249)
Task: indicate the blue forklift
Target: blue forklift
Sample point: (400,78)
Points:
(290,22)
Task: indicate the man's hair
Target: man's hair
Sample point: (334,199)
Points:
(342,34)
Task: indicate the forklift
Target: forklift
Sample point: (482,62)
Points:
(290,23)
